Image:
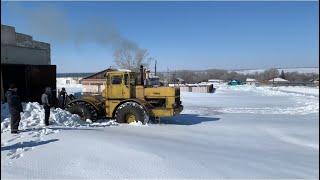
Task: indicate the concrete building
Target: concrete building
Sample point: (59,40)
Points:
(199,88)
(26,63)
(68,80)
(18,48)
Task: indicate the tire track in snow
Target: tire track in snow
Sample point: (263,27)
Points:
(291,140)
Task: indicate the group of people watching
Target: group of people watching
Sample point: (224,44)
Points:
(15,105)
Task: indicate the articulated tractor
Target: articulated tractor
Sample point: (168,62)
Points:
(128,97)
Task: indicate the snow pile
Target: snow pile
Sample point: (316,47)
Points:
(4,111)
(64,118)
(261,90)
(102,123)
(33,117)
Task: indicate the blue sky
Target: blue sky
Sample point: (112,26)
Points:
(180,35)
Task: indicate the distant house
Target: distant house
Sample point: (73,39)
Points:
(279,81)
(179,81)
(68,80)
(251,81)
(215,81)
(95,83)
(316,82)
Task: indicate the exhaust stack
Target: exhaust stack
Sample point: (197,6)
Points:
(141,75)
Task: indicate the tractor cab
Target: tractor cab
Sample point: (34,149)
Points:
(119,84)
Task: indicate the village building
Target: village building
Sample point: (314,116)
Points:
(279,81)
(68,80)
(316,82)
(94,84)
(251,81)
(217,81)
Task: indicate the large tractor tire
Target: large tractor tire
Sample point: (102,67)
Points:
(84,109)
(130,112)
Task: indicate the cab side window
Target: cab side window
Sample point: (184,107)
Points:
(116,80)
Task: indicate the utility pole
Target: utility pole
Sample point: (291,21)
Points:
(155,68)
(168,75)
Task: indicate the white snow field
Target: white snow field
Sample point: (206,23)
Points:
(299,70)
(238,132)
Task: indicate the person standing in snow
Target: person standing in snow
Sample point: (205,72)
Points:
(15,107)
(46,102)
(62,98)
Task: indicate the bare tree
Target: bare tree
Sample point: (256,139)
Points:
(131,59)
(282,75)
(270,74)
(198,76)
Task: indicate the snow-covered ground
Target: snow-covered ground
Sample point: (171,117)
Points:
(237,132)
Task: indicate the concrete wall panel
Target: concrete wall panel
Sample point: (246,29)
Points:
(21,55)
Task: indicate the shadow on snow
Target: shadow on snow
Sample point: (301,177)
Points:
(27,144)
(60,128)
(187,119)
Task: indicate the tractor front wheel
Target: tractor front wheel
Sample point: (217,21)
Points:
(130,112)
(84,110)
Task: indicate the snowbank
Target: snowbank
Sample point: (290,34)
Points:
(302,90)
(275,91)
(33,116)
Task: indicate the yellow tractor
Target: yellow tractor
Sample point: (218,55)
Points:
(128,98)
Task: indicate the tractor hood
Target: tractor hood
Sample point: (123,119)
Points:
(161,92)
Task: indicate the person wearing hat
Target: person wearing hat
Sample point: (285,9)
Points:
(15,107)
(62,98)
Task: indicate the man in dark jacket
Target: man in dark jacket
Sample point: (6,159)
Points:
(62,98)
(46,102)
(15,107)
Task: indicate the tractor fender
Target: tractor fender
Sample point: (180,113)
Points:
(143,103)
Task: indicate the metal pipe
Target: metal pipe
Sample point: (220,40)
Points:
(141,75)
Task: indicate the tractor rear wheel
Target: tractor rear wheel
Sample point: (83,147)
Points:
(83,109)
(130,112)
